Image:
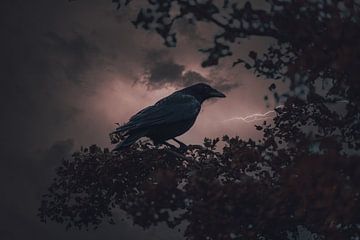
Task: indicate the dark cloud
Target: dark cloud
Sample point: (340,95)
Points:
(73,55)
(168,73)
(192,77)
(161,71)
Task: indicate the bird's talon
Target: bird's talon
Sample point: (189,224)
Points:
(183,148)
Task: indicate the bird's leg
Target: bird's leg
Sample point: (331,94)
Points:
(169,145)
(175,151)
(183,147)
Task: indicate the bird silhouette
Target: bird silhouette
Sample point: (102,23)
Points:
(168,118)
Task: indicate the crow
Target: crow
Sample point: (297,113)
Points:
(168,118)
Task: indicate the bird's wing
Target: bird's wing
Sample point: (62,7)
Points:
(174,108)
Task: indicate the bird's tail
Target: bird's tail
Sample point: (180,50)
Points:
(124,139)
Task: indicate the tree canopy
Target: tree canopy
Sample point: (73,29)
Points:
(304,172)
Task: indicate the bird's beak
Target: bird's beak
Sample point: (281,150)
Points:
(216,93)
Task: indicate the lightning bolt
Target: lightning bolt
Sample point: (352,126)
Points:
(262,116)
(256,116)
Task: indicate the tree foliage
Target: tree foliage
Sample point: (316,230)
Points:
(304,172)
(247,190)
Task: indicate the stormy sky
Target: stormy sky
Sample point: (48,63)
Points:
(70,70)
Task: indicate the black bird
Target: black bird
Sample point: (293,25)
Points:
(166,119)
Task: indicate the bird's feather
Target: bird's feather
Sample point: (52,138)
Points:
(174,108)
